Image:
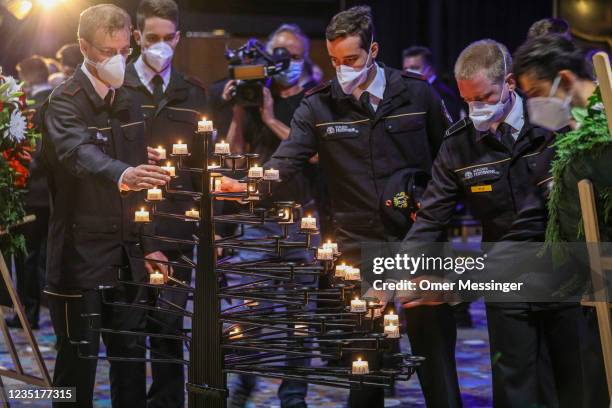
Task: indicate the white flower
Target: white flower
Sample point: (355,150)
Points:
(17,127)
(10,90)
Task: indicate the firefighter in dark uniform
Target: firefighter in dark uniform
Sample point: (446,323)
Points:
(171,104)
(95,152)
(499,164)
(374,129)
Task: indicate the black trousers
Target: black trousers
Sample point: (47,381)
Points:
(30,268)
(168,385)
(534,349)
(127,379)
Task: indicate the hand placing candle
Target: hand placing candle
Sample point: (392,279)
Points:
(141,216)
(360,367)
(358,306)
(161,153)
(170,169)
(179,148)
(205,125)
(156,278)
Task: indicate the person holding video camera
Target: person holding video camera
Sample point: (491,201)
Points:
(262,112)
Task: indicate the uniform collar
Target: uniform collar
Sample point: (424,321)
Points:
(516,116)
(146,74)
(378,85)
(38,88)
(100,87)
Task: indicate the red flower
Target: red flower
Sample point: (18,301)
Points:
(21,172)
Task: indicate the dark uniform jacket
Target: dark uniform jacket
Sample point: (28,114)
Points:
(359,153)
(86,149)
(506,190)
(176,118)
(38,192)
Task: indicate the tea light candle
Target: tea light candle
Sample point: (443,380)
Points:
(154,194)
(205,126)
(392,331)
(377,311)
(213,166)
(156,278)
(358,306)
(352,274)
(179,148)
(170,169)
(222,147)
(309,222)
(235,333)
(192,213)
(391,319)
(325,254)
(301,330)
(271,174)
(360,367)
(332,245)
(162,152)
(256,171)
(341,270)
(141,216)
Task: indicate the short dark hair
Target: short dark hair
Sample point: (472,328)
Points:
(34,68)
(70,55)
(354,21)
(164,9)
(547,26)
(418,51)
(546,55)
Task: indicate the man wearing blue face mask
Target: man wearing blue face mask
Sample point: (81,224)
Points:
(172,104)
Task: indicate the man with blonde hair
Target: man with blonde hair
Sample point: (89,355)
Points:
(94,147)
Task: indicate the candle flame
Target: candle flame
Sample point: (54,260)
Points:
(159,147)
(359,359)
(141,209)
(180,142)
(168,164)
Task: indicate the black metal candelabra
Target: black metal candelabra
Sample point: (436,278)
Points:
(271,329)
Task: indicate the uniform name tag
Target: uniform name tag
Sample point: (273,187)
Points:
(482,189)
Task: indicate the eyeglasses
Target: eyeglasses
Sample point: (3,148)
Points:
(111,52)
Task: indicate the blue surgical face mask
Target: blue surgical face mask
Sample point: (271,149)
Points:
(292,74)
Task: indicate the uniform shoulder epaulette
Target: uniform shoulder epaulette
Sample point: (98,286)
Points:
(194,81)
(322,86)
(456,127)
(414,75)
(71,87)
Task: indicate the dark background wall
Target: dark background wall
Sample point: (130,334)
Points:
(446,26)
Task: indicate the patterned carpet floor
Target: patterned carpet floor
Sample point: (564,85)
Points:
(472,361)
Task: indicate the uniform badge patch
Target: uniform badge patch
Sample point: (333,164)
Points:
(400,200)
(481,189)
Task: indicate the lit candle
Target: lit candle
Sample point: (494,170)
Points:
(332,245)
(301,330)
(391,319)
(341,270)
(377,311)
(271,174)
(170,169)
(352,274)
(179,148)
(325,254)
(222,147)
(154,194)
(358,306)
(192,213)
(309,222)
(360,367)
(235,333)
(213,166)
(156,278)
(205,125)
(141,216)
(162,152)
(392,331)
(256,171)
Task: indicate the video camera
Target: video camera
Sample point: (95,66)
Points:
(251,65)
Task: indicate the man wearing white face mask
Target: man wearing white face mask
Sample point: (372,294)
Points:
(94,149)
(172,104)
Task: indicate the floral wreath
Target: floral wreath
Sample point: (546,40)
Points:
(17,140)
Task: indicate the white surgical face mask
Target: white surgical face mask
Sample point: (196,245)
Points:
(111,70)
(483,114)
(350,78)
(158,56)
(550,112)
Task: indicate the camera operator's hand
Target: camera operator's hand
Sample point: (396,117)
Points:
(228,90)
(267,108)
